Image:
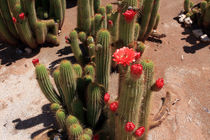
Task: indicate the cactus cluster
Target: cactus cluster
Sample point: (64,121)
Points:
(82,98)
(200,13)
(31,22)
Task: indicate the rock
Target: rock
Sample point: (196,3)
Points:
(188,21)
(18,51)
(181,18)
(205,38)
(28,50)
(197,33)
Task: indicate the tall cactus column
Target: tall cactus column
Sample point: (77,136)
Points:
(127,24)
(103,58)
(129,103)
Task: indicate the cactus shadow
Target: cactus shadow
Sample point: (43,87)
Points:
(46,118)
(65,51)
(10,54)
(71,3)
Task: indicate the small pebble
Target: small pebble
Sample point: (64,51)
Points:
(28,50)
(205,38)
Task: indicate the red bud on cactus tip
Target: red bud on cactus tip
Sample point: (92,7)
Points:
(129,127)
(136,70)
(96,137)
(14,19)
(110,23)
(159,83)
(35,62)
(139,132)
(22,16)
(129,15)
(137,55)
(106,97)
(113,106)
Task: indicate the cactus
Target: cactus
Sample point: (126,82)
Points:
(78,70)
(55,107)
(156,22)
(140,47)
(103,58)
(89,70)
(94,104)
(206,18)
(68,82)
(30,24)
(84,137)
(186,5)
(70,120)
(61,117)
(45,84)
(75,131)
(82,36)
(75,46)
(136,33)
(108,9)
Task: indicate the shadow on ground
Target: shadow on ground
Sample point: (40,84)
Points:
(195,44)
(46,118)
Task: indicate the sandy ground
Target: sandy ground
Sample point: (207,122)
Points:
(24,111)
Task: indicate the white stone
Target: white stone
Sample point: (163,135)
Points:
(188,21)
(197,33)
(205,38)
(28,50)
(181,18)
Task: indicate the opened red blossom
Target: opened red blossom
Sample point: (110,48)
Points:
(124,56)
(35,61)
(159,83)
(22,16)
(140,131)
(129,15)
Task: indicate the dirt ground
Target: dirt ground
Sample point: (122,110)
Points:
(182,61)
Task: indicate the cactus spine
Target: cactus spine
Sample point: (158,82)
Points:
(103,58)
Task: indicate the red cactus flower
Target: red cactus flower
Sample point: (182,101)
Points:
(140,131)
(14,19)
(124,56)
(110,22)
(129,126)
(96,137)
(22,16)
(137,55)
(67,41)
(113,106)
(35,61)
(106,97)
(129,15)
(136,70)
(159,83)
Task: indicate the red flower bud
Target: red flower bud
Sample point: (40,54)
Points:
(136,70)
(137,55)
(129,127)
(113,106)
(159,83)
(139,132)
(22,16)
(35,61)
(66,37)
(110,23)
(106,97)
(67,41)
(129,15)
(96,137)
(14,19)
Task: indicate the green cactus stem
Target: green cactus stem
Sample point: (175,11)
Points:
(5,34)
(90,40)
(148,68)
(103,58)
(140,47)
(136,31)
(203,6)
(94,104)
(78,70)
(102,11)
(88,131)
(45,84)
(58,11)
(92,8)
(145,19)
(75,131)
(97,4)
(89,70)
(84,15)
(70,120)
(186,5)
(206,18)
(77,109)
(109,9)
(113,29)
(61,117)
(68,82)
(129,103)
(82,36)
(75,46)
(91,50)
(126,30)
(24,30)
(156,22)
(152,19)
(98,22)
(55,107)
